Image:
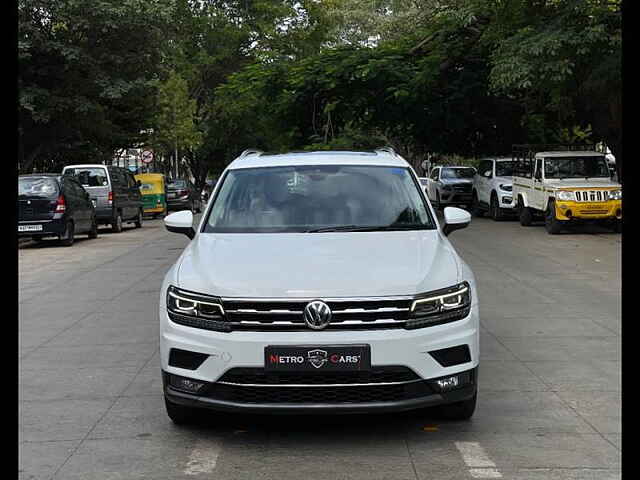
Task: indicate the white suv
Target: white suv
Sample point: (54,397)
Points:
(493,188)
(319,282)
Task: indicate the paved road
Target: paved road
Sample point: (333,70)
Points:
(549,404)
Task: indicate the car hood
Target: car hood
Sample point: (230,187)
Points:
(582,183)
(504,180)
(318,264)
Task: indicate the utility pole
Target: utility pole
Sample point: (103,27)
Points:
(176,159)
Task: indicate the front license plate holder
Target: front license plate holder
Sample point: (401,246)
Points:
(317,358)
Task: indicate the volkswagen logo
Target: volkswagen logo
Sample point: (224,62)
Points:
(317,315)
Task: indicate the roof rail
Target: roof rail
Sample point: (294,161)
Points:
(251,151)
(386,149)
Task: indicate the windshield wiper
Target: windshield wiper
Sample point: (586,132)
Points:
(374,228)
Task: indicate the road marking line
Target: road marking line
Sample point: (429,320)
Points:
(203,457)
(481,466)
(485,473)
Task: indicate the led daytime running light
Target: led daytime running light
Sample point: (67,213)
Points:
(441,298)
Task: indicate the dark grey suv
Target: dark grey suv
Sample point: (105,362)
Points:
(114,192)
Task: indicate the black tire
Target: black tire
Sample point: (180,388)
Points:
(460,410)
(179,414)
(476,209)
(551,223)
(617,226)
(93,233)
(494,209)
(66,239)
(116,225)
(525,214)
(138,222)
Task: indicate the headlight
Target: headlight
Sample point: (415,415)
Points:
(615,195)
(440,306)
(196,310)
(506,187)
(565,196)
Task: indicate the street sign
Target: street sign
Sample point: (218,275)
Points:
(147,156)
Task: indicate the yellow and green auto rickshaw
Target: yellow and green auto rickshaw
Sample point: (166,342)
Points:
(154,195)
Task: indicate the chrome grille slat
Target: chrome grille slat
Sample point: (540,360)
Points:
(275,314)
(592,195)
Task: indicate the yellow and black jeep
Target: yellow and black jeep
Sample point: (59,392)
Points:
(565,185)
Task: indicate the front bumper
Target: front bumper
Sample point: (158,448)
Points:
(430,399)
(455,198)
(505,200)
(393,347)
(588,210)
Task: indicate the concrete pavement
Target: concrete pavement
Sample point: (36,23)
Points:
(549,404)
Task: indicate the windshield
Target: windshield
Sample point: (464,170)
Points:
(575,167)
(89,176)
(504,169)
(310,198)
(457,173)
(45,187)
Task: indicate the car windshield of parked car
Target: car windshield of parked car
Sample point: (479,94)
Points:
(457,173)
(576,167)
(504,169)
(89,177)
(318,198)
(44,187)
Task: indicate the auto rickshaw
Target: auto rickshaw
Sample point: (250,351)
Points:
(154,195)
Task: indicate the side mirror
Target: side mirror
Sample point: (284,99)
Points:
(455,219)
(180,222)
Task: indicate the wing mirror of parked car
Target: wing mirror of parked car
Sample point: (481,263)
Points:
(455,219)
(180,222)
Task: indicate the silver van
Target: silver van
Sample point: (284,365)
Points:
(114,191)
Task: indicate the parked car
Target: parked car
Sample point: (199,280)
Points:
(183,195)
(449,185)
(114,191)
(323,271)
(493,188)
(52,205)
(563,185)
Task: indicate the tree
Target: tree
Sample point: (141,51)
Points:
(175,127)
(86,76)
(562,60)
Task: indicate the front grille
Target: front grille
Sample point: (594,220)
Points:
(346,394)
(462,188)
(592,195)
(259,376)
(347,314)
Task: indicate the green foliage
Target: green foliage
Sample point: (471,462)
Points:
(86,76)
(463,78)
(175,126)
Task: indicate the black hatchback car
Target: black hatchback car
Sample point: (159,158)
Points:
(50,205)
(183,195)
